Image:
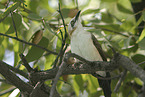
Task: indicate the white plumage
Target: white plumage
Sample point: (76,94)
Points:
(82,43)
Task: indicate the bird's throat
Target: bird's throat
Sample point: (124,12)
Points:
(72,31)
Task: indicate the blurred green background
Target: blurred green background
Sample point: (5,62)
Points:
(119,23)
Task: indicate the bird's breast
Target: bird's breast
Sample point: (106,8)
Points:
(82,45)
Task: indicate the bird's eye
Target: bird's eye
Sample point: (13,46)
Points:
(72,23)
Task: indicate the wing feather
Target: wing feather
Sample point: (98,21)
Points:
(98,47)
(105,84)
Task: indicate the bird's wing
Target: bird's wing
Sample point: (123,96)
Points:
(105,84)
(99,48)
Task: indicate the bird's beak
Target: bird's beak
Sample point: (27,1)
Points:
(77,16)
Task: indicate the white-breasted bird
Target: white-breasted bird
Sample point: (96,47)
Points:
(85,44)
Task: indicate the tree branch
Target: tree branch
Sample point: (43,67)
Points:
(12,78)
(77,68)
(120,81)
(55,53)
(36,91)
(14,25)
(7,91)
(16,70)
(25,63)
(128,64)
(62,67)
(80,68)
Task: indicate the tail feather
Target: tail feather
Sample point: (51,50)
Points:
(105,84)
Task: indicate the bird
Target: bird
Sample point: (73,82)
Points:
(85,44)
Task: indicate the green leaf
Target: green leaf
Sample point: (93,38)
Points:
(34,16)
(107,18)
(11,8)
(17,20)
(79,82)
(137,23)
(138,58)
(142,44)
(2,52)
(65,12)
(16,58)
(110,27)
(127,42)
(49,61)
(108,1)
(141,36)
(89,11)
(93,84)
(2,6)
(34,5)
(76,87)
(48,27)
(35,53)
(138,81)
(124,9)
(143,14)
(1,39)
(135,1)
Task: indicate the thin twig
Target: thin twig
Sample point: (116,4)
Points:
(48,27)
(113,50)
(61,56)
(55,53)
(59,73)
(3,18)
(60,30)
(112,31)
(23,3)
(61,52)
(61,34)
(63,21)
(130,91)
(26,10)
(141,63)
(120,81)
(7,4)
(14,25)
(25,63)
(36,89)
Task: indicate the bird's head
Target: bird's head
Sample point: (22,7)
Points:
(74,23)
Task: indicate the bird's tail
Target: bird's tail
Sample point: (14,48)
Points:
(105,84)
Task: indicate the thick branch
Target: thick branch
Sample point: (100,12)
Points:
(16,81)
(16,70)
(78,68)
(91,67)
(130,66)
(12,78)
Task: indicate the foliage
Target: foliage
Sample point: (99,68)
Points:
(112,21)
